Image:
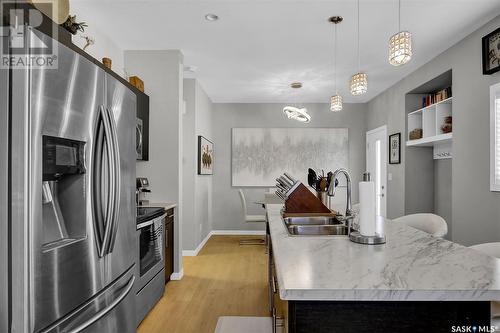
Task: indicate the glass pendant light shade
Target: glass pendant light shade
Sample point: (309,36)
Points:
(359,84)
(299,114)
(400,51)
(336,103)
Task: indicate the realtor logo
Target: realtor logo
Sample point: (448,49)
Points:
(22,46)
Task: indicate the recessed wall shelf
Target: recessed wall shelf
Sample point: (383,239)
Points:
(430,120)
(431,140)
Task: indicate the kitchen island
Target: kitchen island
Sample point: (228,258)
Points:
(414,281)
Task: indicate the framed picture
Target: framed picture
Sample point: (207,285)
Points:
(205,156)
(491,52)
(395,148)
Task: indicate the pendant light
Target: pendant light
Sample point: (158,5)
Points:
(400,51)
(335,100)
(359,81)
(295,112)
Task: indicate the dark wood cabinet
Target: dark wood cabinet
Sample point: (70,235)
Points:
(169,244)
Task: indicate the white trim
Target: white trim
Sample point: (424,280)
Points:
(194,253)
(177,275)
(378,129)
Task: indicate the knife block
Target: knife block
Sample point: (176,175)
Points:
(301,201)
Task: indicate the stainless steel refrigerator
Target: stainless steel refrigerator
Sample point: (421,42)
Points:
(67,168)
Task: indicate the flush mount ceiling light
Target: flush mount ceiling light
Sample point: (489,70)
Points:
(359,81)
(400,51)
(294,112)
(211,17)
(335,100)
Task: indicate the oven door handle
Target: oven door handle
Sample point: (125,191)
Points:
(150,222)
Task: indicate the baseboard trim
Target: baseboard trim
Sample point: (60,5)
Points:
(194,253)
(177,275)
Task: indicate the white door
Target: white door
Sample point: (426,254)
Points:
(376,165)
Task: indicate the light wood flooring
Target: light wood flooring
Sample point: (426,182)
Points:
(225,279)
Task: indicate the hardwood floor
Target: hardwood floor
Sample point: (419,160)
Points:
(225,279)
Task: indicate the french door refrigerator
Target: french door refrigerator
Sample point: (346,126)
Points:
(68,167)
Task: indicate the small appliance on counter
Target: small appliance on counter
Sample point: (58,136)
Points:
(142,187)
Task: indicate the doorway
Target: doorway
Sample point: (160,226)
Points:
(376,165)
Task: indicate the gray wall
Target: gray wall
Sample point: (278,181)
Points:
(227,214)
(161,71)
(197,189)
(475,210)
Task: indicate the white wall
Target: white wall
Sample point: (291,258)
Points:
(475,210)
(104,46)
(197,189)
(227,210)
(162,72)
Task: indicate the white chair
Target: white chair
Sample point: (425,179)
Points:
(430,223)
(252,219)
(492,250)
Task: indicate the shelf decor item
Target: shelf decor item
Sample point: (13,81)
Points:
(395,148)
(447,127)
(72,26)
(136,82)
(107,62)
(491,52)
(359,81)
(400,49)
(416,134)
(205,156)
(335,100)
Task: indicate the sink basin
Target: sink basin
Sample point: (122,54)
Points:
(311,220)
(317,230)
(314,226)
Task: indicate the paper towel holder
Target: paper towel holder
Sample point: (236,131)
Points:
(356,237)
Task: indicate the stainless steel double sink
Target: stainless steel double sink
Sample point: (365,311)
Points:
(314,226)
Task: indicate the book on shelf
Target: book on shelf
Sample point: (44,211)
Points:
(437,97)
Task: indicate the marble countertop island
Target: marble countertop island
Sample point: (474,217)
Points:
(411,266)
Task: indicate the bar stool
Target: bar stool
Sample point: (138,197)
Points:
(430,223)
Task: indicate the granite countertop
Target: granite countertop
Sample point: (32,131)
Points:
(411,266)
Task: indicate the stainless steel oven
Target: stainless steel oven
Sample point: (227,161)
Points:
(151,249)
(150,259)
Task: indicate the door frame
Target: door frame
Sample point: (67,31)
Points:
(383,130)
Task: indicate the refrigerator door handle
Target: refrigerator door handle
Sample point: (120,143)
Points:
(103,137)
(116,188)
(107,309)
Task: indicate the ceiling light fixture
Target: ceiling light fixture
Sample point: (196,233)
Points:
(295,112)
(211,17)
(335,100)
(359,81)
(400,50)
